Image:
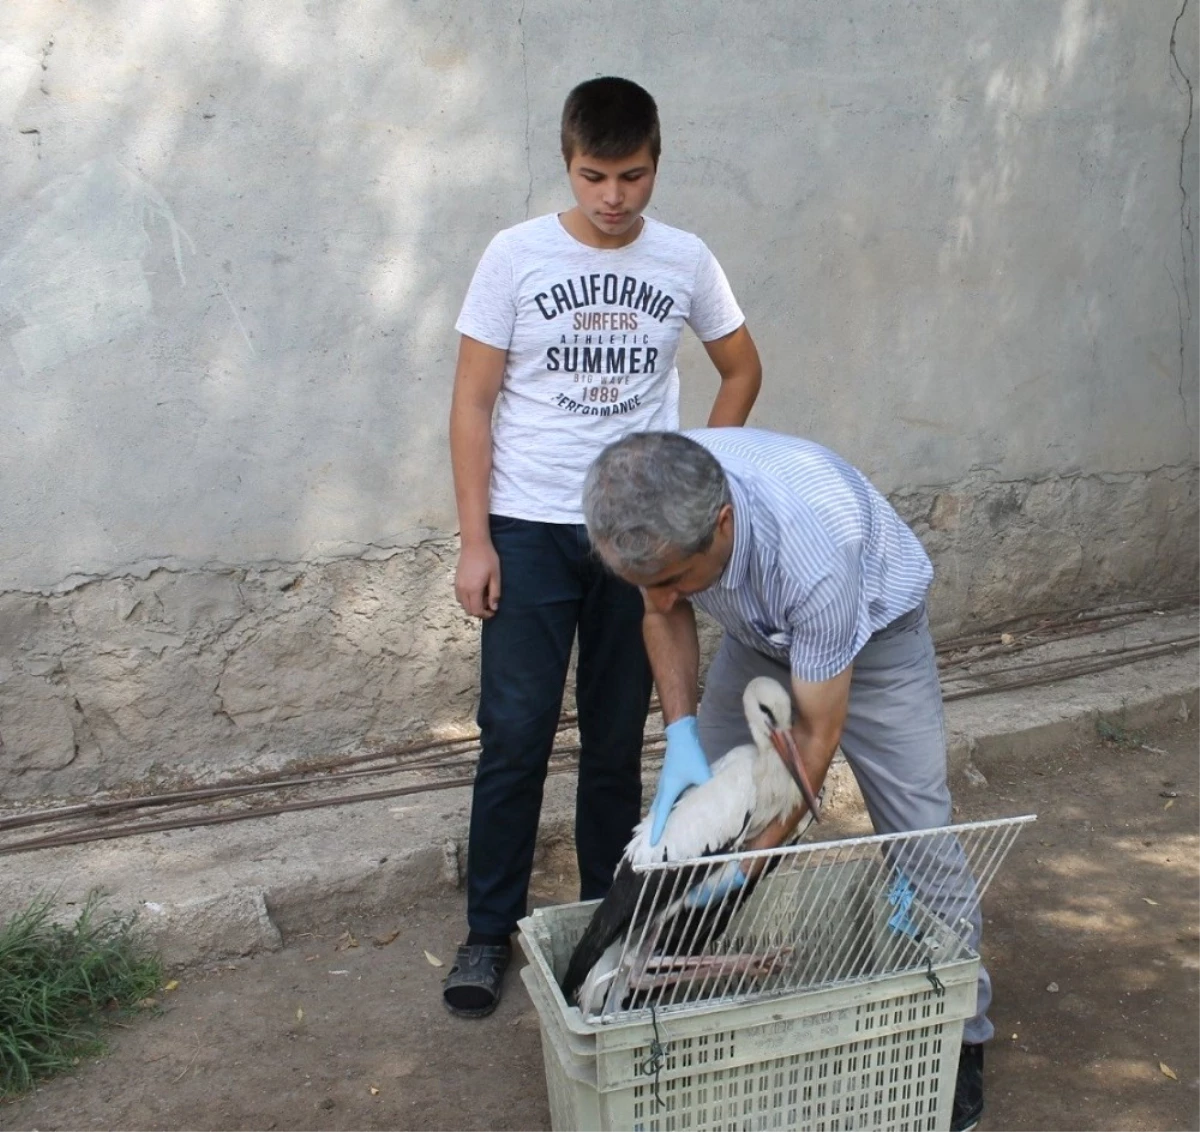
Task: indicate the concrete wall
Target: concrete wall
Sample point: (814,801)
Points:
(234,235)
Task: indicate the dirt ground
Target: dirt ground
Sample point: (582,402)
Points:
(1092,940)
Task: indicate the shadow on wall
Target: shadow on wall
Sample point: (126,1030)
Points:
(238,240)
(990,302)
(234,237)
(234,260)
(235,240)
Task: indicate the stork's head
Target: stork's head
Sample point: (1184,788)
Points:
(768,707)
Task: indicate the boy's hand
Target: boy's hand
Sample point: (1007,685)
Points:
(477,580)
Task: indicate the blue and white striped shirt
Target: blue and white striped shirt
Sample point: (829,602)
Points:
(820,559)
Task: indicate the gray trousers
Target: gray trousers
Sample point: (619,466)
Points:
(894,740)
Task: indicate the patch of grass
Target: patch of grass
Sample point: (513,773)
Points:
(59,985)
(1114,731)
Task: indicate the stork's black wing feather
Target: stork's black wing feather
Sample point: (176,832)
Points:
(691,931)
(685,930)
(616,913)
(608,921)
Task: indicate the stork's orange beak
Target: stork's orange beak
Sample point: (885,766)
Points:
(785,746)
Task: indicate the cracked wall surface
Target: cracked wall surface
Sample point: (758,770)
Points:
(234,237)
(184,676)
(1183,55)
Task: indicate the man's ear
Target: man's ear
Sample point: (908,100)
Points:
(725,520)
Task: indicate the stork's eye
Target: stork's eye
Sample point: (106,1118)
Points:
(769,714)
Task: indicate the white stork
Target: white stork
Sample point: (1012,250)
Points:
(751,787)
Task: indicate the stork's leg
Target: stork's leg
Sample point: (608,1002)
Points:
(665,970)
(593,996)
(632,966)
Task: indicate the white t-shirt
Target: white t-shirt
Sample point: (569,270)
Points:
(591,335)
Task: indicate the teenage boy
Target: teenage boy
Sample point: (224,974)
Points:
(569,334)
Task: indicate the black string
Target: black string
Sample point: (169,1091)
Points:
(654,1063)
(939,988)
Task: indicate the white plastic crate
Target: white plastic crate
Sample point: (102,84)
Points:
(870,1052)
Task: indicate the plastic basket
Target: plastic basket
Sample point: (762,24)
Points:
(875,1051)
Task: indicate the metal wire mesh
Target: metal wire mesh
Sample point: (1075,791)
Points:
(810,916)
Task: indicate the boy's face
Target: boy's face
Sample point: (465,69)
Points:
(612,194)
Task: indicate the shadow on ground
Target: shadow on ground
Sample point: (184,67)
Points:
(342,1031)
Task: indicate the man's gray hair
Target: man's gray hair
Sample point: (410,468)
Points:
(652,498)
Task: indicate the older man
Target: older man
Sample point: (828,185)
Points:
(817,582)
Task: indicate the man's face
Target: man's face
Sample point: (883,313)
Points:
(682,577)
(612,194)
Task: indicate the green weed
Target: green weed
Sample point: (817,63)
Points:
(1112,731)
(59,985)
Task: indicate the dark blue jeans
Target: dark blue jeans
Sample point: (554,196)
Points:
(552,585)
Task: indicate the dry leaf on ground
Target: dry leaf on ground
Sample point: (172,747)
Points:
(434,960)
(384,940)
(1167,1071)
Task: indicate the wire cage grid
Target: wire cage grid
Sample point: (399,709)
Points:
(819,914)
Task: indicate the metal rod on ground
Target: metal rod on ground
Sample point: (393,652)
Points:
(54,842)
(267,779)
(1053,662)
(1168,604)
(203,795)
(266,782)
(1057,677)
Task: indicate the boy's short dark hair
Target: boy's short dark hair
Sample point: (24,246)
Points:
(609,118)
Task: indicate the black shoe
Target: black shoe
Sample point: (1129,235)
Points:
(472,987)
(968,1089)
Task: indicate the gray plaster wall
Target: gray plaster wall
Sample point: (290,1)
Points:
(234,235)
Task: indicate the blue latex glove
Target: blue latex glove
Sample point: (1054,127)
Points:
(900,896)
(716,886)
(684,765)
